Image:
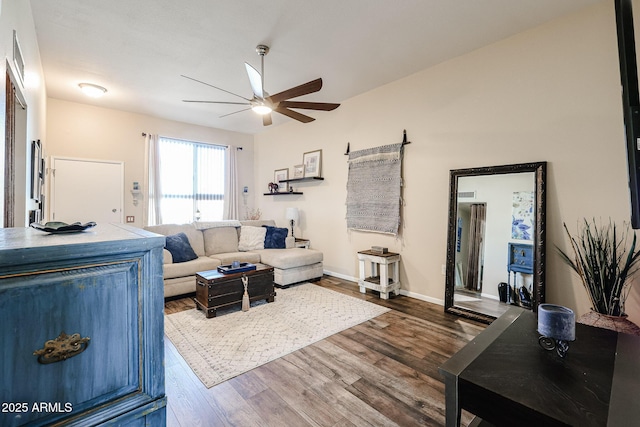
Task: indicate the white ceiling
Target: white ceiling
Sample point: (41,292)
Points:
(138,49)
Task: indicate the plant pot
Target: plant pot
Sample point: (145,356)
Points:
(615,323)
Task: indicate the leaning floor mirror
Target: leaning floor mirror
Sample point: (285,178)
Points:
(495,240)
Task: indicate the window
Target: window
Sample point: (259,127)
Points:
(191,181)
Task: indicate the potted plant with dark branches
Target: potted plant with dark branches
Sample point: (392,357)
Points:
(605,258)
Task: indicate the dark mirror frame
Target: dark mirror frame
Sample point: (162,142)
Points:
(538,296)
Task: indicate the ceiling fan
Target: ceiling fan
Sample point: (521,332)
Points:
(263,103)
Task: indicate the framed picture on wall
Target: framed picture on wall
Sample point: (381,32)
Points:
(281,175)
(312,161)
(298,171)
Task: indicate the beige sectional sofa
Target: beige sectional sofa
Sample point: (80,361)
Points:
(217,244)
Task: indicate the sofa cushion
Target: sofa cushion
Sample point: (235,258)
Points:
(166,257)
(180,248)
(229,257)
(203,225)
(275,237)
(195,236)
(220,240)
(251,238)
(289,258)
(258,222)
(189,268)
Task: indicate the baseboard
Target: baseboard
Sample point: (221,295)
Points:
(402,291)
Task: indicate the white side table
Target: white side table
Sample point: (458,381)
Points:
(302,243)
(380,281)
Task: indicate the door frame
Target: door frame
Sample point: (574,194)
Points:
(52,159)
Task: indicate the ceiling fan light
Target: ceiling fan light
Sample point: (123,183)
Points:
(94,91)
(261,109)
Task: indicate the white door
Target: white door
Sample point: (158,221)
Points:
(86,190)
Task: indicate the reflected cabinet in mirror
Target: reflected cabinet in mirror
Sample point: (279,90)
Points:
(495,240)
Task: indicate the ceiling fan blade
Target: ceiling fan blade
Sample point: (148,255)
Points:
(216,102)
(255,80)
(215,87)
(322,106)
(294,115)
(235,112)
(266,120)
(303,89)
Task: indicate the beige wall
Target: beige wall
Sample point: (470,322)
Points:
(550,94)
(88,132)
(16,15)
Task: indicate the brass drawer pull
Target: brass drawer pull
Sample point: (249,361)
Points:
(61,348)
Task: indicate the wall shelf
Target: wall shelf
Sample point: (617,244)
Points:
(284,193)
(311,178)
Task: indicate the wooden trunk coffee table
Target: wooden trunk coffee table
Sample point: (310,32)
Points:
(215,290)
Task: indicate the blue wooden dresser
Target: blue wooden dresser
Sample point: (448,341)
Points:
(520,261)
(81,330)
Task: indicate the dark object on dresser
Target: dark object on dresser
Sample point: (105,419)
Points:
(215,290)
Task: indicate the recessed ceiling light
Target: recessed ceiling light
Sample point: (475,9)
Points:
(94,91)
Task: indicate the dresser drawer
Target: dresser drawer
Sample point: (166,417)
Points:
(100,303)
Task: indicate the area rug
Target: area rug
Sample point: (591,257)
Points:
(230,344)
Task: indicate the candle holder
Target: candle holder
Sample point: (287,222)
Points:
(557,325)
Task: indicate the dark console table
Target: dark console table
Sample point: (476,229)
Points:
(505,378)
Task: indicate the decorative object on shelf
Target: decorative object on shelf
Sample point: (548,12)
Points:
(604,260)
(62,227)
(312,161)
(298,171)
(273,187)
(280,177)
(557,326)
(293,215)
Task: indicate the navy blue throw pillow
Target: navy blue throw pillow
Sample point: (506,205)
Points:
(180,249)
(275,237)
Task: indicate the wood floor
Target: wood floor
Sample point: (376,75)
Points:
(383,372)
(481,304)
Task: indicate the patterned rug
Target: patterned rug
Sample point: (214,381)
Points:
(235,342)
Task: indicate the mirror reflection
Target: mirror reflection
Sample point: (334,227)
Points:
(496,228)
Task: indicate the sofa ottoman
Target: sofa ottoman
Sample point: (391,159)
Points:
(292,265)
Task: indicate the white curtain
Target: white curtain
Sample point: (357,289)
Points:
(152,176)
(231,191)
